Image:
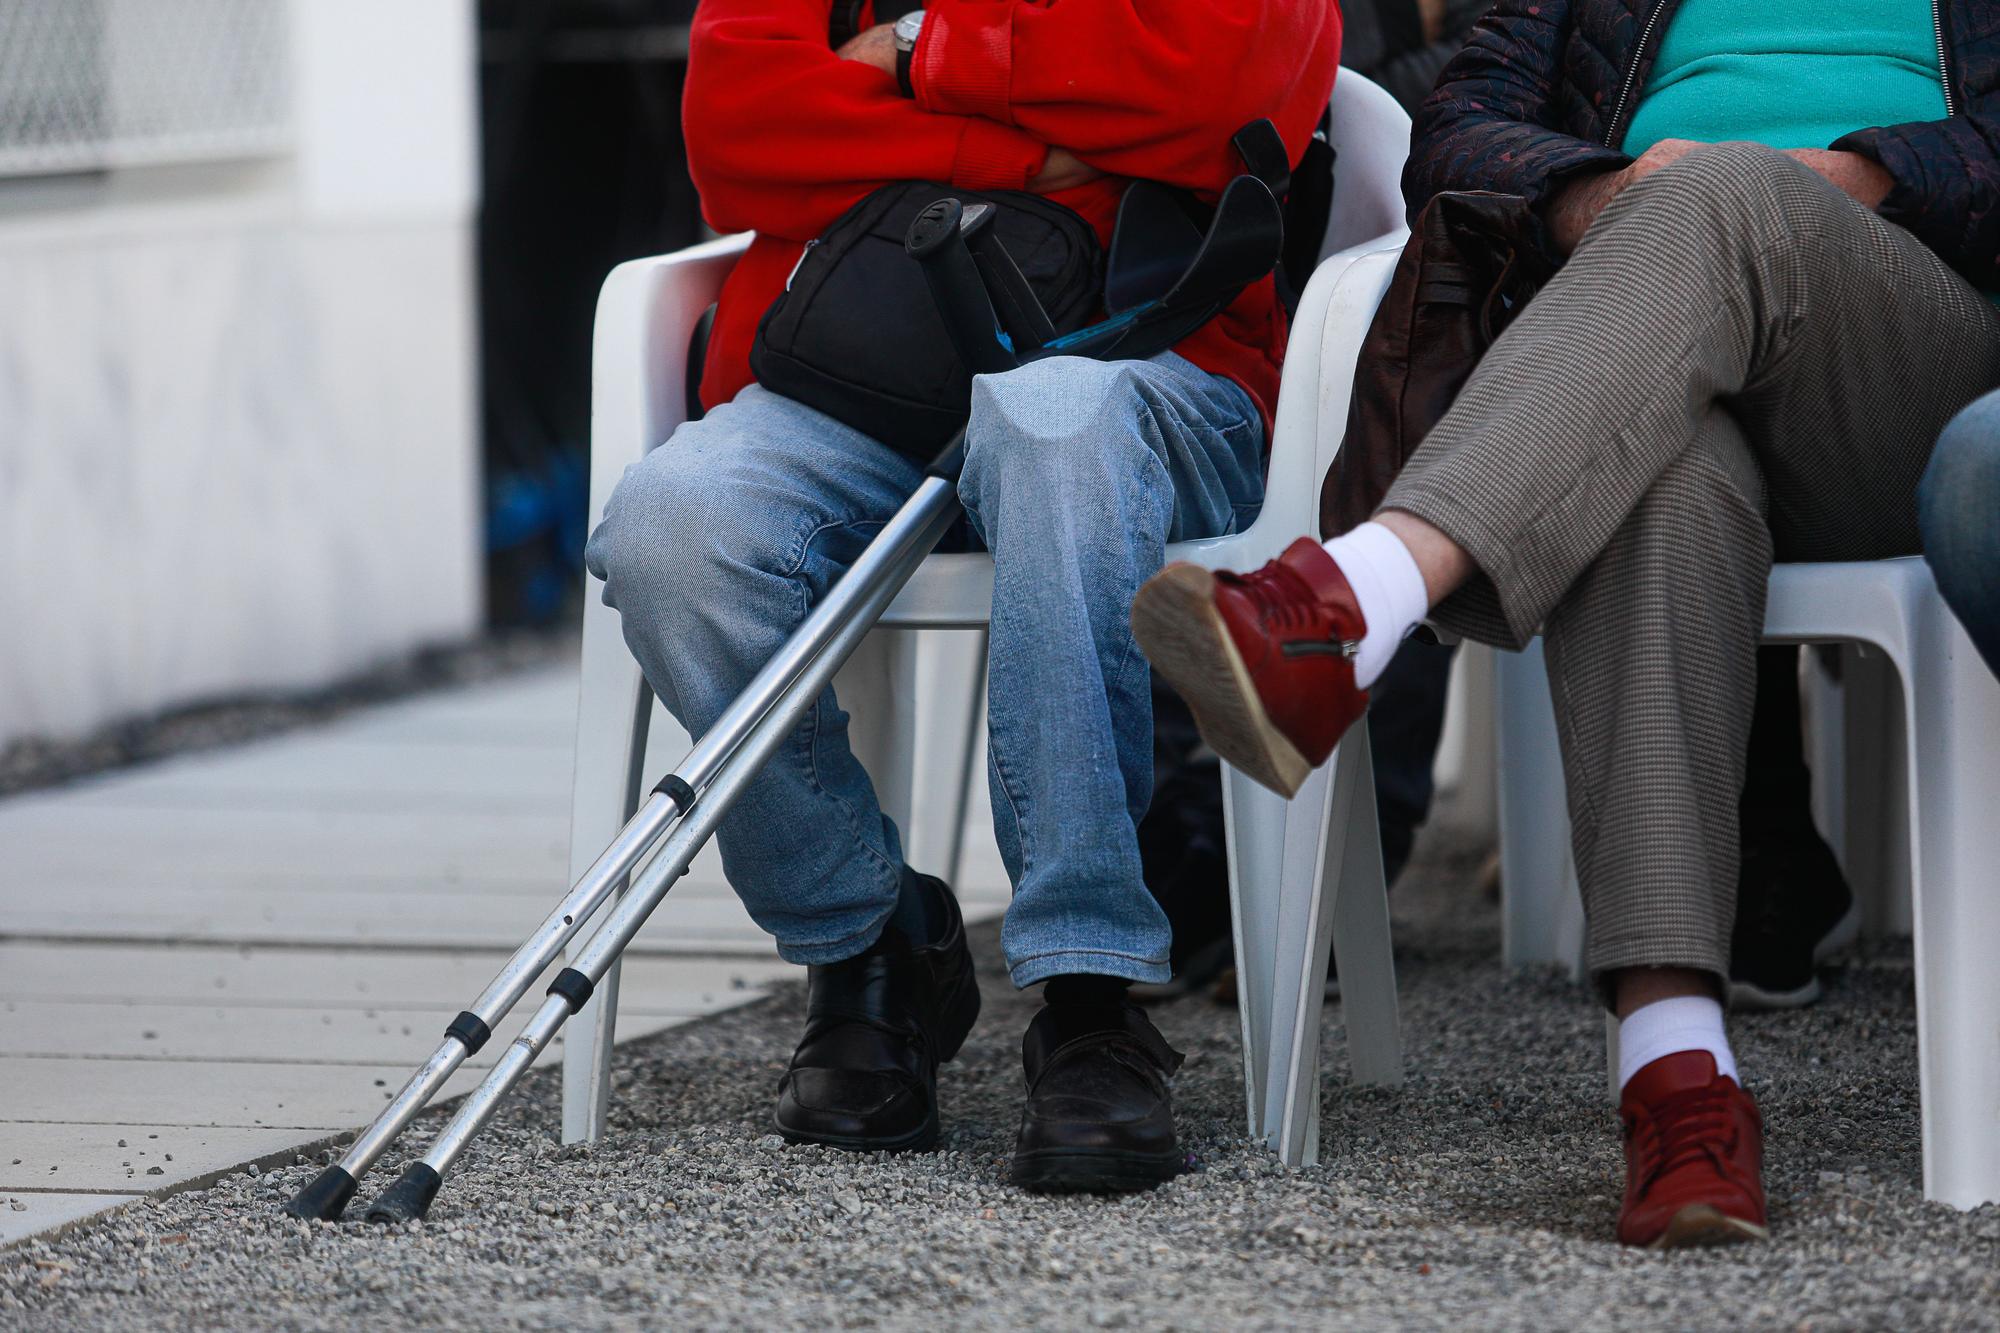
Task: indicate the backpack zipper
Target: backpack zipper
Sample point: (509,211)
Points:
(803,254)
(1944,57)
(1638,59)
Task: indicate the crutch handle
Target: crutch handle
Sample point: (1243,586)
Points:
(937,241)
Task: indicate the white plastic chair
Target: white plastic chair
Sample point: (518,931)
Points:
(1951,730)
(1278,852)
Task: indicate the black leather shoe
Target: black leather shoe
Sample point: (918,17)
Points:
(1098,1118)
(878,1026)
(1793,909)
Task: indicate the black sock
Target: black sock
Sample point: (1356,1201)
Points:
(1085,988)
(918,915)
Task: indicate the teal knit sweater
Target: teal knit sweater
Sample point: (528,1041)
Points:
(1789,73)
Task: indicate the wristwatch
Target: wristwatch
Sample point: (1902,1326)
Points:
(908,29)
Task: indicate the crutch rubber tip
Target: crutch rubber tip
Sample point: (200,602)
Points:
(409,1198)
(325,1198)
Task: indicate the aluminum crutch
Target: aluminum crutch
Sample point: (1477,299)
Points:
(328,1194)
(923,519)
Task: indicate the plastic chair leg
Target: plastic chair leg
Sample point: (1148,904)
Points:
(613,711)
(1363,943)
(949,668)
(878,689)
(1316,827)
(1954,728)
(1333,895)
(1255,823)
(1876,850)
(1468,758)
(1534,814)
(969,763)
(1611,1054)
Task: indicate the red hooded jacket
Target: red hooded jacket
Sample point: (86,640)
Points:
(783,136)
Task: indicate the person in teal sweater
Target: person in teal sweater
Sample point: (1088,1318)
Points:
(1773,222)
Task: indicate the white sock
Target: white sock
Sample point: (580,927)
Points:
(1667,1027)
(1388,587)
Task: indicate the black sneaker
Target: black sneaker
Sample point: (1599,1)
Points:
(1793,910)
(864,1077)
(1098,1118)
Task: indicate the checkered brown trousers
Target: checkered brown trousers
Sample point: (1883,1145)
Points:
(1738,364)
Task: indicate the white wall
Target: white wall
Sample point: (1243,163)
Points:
(237,410)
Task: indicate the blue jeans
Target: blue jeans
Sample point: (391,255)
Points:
(1077,475)
(1958,507)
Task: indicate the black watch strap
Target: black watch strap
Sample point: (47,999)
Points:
(903,72)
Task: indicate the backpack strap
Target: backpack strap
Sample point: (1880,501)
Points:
(1305,191)
(843,25)
(1307,209)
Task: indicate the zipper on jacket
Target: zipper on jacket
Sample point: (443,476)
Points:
(1611,135)
(1944,57)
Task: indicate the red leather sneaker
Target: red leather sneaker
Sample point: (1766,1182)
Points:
(1265,660)
(1694,1156)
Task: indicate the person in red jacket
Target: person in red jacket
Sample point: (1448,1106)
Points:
(1077,474)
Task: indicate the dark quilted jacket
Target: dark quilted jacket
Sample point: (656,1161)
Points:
(1545,89)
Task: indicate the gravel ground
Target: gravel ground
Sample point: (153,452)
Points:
(35,762)
(1481,1194)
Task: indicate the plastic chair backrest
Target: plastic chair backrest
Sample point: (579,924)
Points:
(1371,140)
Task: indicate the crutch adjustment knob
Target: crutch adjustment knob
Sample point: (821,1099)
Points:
(471,1031)
(409,1198)
(325,1198)
(675,788)
(574,987)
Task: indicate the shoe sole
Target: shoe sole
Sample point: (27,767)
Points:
(1184,637)
(921,1139)
(1749,995)
(1701,1224)
(1082,1171)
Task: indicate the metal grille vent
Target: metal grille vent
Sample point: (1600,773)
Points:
(90,84)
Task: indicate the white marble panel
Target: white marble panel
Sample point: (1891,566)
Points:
(233,456)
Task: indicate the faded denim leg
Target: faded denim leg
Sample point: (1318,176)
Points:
(714,549)
(1077,475)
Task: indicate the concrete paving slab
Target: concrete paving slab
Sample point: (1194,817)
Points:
(339,773)
(320,1099)
(536,704)
(692,924)
(24,1215)
(121,1158)
(315,978)
(113,1031)
(41,834)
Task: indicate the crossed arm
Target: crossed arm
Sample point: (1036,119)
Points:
(784,134)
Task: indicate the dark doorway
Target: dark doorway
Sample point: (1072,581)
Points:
(583,167)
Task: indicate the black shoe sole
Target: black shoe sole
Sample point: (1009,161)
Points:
(921,1139)
(1084,1171)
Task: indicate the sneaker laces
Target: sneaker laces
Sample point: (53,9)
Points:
(1284,598)
(1682,1129)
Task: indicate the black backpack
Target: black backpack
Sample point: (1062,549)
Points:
(857,335)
